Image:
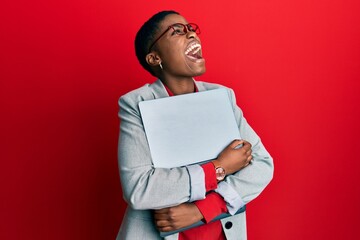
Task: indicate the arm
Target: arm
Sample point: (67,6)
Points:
(250,181)
(239,188)
(144,187)
(186,214)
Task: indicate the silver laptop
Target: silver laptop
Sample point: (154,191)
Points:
(190,128)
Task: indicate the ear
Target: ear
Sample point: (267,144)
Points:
(153,59)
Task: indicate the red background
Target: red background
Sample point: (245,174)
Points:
(294,65)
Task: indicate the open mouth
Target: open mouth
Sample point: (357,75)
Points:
(194,51)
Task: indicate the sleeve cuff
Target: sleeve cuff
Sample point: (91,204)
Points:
(210,176)
(212,206)
(197,182)
(231,197)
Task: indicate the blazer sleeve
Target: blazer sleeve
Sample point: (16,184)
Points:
(250,181)
(145,187)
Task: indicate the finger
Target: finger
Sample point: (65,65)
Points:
(161,216)
(249,152)
(246,146)
(247,142)
(163,210)
(166,229)
(235,143)
(162,223)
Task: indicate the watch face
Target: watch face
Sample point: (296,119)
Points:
(220,173)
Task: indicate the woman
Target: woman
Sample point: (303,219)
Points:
(169,199)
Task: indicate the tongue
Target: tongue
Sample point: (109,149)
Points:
(195,55)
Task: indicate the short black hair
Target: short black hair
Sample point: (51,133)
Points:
(145,36)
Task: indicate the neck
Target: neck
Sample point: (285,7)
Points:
(180,86)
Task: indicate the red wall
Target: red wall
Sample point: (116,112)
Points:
(295,66)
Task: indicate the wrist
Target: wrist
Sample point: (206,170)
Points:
(199,216)
(216,162)
(219,170)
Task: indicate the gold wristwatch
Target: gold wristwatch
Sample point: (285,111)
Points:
(220,172)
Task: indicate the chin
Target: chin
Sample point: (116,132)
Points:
(199,72)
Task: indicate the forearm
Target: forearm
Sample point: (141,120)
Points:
(146,187)
(212,206)
(250,181)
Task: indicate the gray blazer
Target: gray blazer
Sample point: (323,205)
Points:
(145,187)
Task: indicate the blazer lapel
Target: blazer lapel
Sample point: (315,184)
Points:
(158,89)
(200,86)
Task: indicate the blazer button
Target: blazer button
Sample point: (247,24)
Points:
(228,225)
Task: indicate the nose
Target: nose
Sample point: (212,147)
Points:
(191,34)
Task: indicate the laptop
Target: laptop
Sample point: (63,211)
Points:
(190,128)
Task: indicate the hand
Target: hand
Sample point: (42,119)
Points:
(173,218)
(234,158)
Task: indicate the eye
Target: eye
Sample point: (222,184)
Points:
(177,31)
(191,28)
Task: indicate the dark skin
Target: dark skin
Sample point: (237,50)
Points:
(177,74)
(178,69)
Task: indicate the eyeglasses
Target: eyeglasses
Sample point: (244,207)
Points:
(179,29)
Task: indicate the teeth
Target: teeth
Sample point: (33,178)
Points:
(195,46)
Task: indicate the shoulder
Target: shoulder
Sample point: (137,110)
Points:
(132,98)
(147,92)
(136,94)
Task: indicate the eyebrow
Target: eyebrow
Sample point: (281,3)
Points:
(178,24)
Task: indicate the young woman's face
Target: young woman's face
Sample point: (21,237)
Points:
(181,55)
